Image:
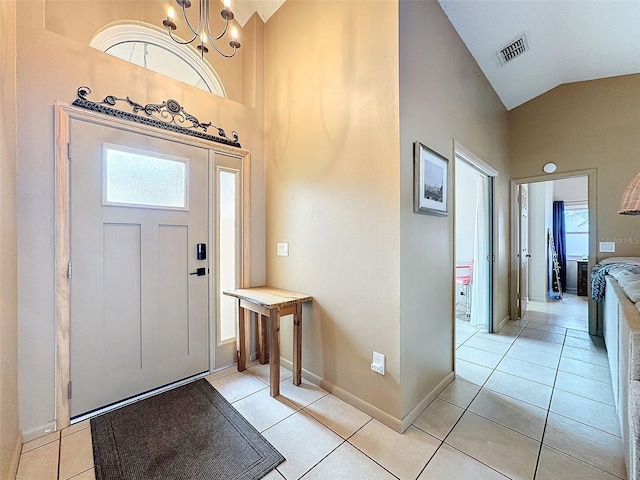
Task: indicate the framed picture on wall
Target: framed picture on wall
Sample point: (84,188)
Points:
(430,181)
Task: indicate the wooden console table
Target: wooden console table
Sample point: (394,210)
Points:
(271,303)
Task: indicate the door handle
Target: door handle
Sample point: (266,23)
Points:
(199,272)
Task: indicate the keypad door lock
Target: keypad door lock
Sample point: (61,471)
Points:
(201,251)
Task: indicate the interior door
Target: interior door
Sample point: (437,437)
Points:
(523,275)
(139,292)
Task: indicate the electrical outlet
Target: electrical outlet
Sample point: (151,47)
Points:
(609,247)
(377,368)
(283,249)
(378,363)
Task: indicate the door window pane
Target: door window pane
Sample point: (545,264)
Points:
(227,253)
(140,179)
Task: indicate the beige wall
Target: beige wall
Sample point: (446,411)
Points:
(9,432)
(581,126)
(442,97)
(333,188)
(340,188)
(50,68)
(96,15)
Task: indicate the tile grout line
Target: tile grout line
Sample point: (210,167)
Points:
(587,425)
(431,457)
(321,460)
(586,463)
(473,458)
(60,454)
(553,387)
(546,420)
(365,454)
(466,409)
(374,460)
(474,397)
(483,386)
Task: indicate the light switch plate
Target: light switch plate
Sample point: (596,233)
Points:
(283,249)
(609,247)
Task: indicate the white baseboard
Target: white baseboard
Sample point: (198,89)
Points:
(399,425)
(537,299)
(503,322)
(38,432)
(15,458)
(408,419)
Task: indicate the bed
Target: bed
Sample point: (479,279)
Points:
(616,285)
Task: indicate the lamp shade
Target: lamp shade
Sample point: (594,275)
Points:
(630,204)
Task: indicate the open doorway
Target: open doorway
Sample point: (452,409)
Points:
(474,182)
(555,253)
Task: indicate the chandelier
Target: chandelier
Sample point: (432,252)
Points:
(202,33)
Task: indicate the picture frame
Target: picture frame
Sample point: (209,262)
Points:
(431,174)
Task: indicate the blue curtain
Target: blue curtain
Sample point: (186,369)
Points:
(560,241)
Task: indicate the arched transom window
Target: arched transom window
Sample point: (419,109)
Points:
(151,48)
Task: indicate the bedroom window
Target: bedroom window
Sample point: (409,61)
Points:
(576,219)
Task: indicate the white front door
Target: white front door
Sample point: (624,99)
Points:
(139,309)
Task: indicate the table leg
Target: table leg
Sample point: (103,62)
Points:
(243,337)
(297,345)
(274,357)
(262,339)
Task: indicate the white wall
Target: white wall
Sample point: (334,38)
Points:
(571,190)
(466,205)
(539,221)
(541,198)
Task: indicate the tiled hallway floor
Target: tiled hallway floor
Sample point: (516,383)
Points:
(534,401)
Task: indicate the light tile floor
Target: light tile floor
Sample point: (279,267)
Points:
(534,401)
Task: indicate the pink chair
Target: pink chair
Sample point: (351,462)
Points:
(464,276)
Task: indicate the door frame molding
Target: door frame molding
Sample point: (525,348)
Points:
(464,154)
(592,179)
(64,113)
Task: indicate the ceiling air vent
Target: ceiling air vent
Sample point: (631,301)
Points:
(516,48)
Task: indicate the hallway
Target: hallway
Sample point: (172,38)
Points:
(533,401)
(543,377)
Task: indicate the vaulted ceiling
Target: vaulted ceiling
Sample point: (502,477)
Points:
(568,40)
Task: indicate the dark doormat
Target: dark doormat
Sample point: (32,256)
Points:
(188,433)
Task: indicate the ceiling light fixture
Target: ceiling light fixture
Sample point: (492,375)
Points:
(630,204)
(203,30)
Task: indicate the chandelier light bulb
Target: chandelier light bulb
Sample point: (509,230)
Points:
(202,29)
